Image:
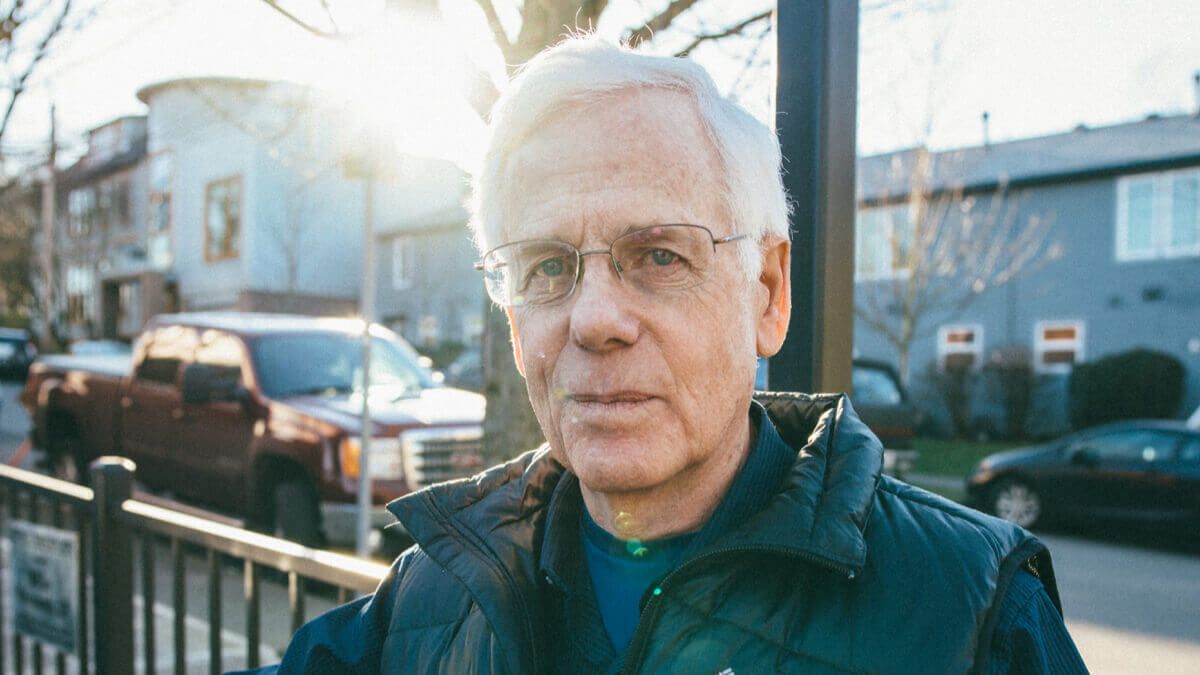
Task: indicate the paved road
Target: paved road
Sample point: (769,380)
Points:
(1133,606)
(1132,601)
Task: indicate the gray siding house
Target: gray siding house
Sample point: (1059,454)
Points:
(1117,264)
(104,278)
(428,289)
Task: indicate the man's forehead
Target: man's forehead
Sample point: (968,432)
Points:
(643,150)
(656,116)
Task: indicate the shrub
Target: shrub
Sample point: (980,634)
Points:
(1009,372)
(1135,384)
(954,386)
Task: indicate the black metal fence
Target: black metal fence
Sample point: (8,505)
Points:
(118,543)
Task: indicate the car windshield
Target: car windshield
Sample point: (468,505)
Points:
(293,365)
(7,349)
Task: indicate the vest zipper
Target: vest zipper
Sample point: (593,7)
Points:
(650,610)
(471,540)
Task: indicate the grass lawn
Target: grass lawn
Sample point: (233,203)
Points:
(953,458)
(954,494)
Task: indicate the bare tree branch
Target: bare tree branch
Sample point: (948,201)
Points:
(750,60)
(493,19)
(274,4)
(39,54)
(732,30)
(945,248)
(329,16)
(658,23)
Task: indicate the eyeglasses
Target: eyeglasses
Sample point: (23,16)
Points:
(653,259)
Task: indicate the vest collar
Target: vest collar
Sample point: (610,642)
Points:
(821,511)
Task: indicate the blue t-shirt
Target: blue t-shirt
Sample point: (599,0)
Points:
(622,571)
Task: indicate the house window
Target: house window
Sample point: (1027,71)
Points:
(428,332)
(960,347)
(81,211)
(222,218)
(402,262)
(1158,215)
(1057,346)
(162,174)
(81,286)
(120,202)
(104,204)
(882,243)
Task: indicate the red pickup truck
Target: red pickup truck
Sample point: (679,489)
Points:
(258,415)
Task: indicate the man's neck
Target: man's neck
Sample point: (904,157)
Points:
(679,506)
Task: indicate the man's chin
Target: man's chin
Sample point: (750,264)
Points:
(620,467)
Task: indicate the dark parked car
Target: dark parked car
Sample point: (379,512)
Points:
(1147,471)
(16,353)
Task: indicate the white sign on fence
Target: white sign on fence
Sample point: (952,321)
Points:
(45,583)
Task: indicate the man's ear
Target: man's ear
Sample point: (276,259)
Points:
(776,280)
(516,341)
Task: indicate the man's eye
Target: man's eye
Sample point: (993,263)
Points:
(550,268)
(662,257)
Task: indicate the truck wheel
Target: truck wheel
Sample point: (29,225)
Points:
(295,514)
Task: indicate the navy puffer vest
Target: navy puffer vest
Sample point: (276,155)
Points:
(844,571)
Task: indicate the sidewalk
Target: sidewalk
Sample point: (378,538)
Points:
(196,637)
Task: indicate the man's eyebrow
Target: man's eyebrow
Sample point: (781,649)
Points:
(634,227)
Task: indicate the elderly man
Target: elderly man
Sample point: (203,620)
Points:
(634,228)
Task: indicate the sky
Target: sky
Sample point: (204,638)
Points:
(926,75)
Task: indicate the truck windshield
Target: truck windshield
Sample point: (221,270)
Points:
(294,365)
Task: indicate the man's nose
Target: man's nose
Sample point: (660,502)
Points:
(601,316)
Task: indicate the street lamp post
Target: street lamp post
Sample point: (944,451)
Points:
(367,307)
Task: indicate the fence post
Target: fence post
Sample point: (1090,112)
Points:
(112,567)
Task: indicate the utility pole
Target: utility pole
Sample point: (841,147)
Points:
(815,98)
(367,310)
(49,197)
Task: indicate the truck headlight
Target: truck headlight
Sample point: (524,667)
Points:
(386,460)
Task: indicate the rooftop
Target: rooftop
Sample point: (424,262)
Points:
(151,90)
(1145,145)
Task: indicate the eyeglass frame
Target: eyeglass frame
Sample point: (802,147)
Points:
(481,265)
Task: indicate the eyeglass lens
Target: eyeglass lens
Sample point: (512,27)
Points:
(652,259)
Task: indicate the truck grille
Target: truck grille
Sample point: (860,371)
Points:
(437,455)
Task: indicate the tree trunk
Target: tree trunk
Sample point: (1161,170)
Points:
(510,427)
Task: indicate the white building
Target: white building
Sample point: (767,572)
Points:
(251,207)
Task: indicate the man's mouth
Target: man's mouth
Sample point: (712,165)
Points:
(612,398)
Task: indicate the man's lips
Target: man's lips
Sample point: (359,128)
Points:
(610,398)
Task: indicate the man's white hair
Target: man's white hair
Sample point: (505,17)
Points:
(585,68)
